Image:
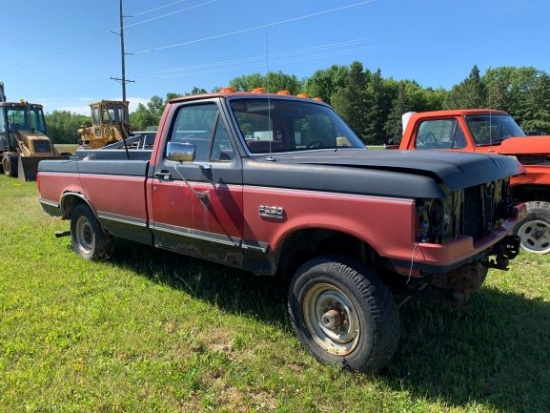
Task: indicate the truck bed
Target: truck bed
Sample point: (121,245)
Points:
(113,154)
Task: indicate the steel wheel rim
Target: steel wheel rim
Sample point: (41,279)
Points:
(331,319)
(535,236)
(6,165)
(84,236)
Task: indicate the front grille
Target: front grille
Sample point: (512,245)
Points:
(42,146)
(472,213)
(533,159)
(484,208)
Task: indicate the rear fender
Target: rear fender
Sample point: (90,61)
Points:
(70,200)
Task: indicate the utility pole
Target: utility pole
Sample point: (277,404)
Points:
(122,80)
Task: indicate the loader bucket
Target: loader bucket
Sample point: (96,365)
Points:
(27,166)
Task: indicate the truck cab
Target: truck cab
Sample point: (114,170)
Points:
(494,132)
(466,130)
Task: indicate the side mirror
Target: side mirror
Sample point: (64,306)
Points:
(180,152)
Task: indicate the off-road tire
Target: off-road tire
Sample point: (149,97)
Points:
(88,239)
(9,165)
(534,230)
(344,314)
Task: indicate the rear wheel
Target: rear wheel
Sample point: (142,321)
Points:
(344,314)
(89,240)
(534,230)
(9,164)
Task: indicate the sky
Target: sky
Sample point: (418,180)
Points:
(66,54)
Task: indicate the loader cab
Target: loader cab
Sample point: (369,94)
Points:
(15,117)
(109,112)
(114,112)
(110,124)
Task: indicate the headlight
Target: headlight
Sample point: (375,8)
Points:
(433,221)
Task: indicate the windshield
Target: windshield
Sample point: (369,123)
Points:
(492,129)
(113,112)
(24,118)
(277,125)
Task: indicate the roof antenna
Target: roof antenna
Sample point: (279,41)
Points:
(269,121)
(490,120)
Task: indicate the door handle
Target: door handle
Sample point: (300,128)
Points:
(164,174)
(203,197)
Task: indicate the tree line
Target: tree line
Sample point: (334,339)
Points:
(371,104)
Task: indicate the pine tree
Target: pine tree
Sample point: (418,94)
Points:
(350,101)
(470,93)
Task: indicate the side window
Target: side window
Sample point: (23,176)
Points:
(459,139)
(33,120)
(37,120)
(95,115)
(107,114)
(222,150)
(3,141)
(439,134)
(201,125)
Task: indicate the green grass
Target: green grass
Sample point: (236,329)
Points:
(150,331)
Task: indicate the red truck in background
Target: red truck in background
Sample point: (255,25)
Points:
(279,185)
(495,132)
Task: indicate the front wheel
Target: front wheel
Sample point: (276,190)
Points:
(344,314)
(9,165)
(89,240)
(534,230)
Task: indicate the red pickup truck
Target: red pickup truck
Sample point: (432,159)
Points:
(496,132)
(279,185)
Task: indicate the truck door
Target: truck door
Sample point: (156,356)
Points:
(197,207)
(440,134)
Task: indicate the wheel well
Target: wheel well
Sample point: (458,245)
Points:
(69,203)
(305,244)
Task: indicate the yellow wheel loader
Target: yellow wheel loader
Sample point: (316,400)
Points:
(23,138)
(110,124)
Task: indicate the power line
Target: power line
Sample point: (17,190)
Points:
(310,53)
(156,49)
(316,52)
(51,26)
(50,54)
(157,8)
(169,14)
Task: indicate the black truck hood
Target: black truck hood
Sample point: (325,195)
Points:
(379,172)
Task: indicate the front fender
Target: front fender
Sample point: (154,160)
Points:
(385,224)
